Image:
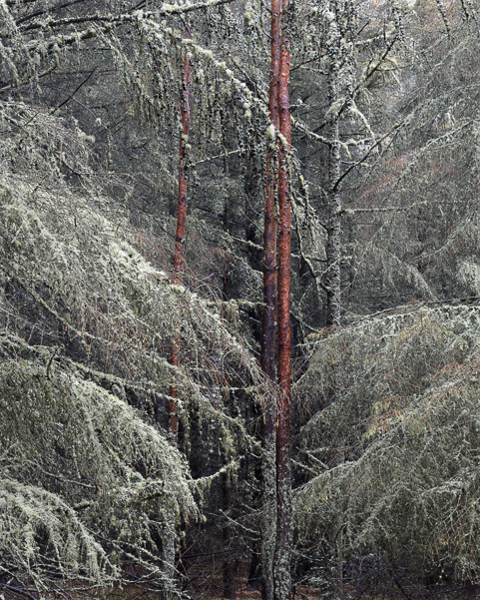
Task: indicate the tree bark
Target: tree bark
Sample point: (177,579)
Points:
(229,566)
(276,572)
(332,279)
(168,538)
(269,338)
(269,496)
(283,551)
(333,285)
(179,260)
(268,349)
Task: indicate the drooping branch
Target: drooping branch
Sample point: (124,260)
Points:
(163,11)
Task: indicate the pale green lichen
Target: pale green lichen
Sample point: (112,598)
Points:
(392,453)
(86,324)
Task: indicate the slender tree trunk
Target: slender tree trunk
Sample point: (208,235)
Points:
(280,567)
(168,555)
(333,285)
(269,525)
(332,279)
(229,566)
(283,551)
(269,338)
(168,536)
(179,261)
(268,351)
(262,555)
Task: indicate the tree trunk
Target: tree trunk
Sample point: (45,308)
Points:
(168,540)
(269,517)
(179,260)
(332,279)
(229,562)
(168,555)
(280,584)
(333,285)
(268,350)
(269,345)
(283,551)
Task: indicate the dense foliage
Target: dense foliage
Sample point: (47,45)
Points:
(94,489)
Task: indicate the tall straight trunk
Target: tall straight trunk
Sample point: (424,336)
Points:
(168,555)
(269,337)
(168,534)
(333,285)
(269,500)
(252,187)
(283,551)
(278,179)
(339,535)
(332,279)
(268,349)
(179,260)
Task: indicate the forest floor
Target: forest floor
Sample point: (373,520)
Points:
(207,584)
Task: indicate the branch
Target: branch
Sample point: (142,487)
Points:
(38,13)
(165,10)
(364,158)
(9,88)
(377,66)
(126,148)
(209,159)
(308,132)
(349,211)
(302,323)
(74,92)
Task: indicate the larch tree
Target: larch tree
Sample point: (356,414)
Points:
(347,47)
(278,547)
(283,550)
(97,323)
(105,355)
(269,329)
(416,364)
(180,237)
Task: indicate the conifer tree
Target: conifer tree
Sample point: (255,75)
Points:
(278,565)
(283,550)
(269,329)
(180,238)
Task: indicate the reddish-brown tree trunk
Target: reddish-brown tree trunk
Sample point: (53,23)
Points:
(284,334)
(269,336)
(283,551)
(179,260)
(276,573)
(268,351)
